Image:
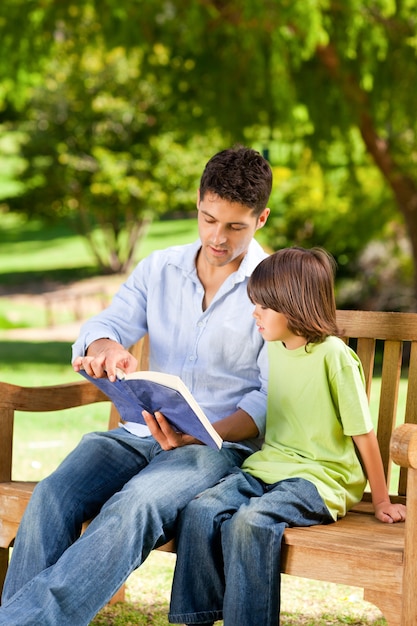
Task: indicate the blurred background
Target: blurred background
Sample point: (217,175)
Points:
(109,111)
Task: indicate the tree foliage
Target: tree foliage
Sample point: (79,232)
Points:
(94,145)
(333,80)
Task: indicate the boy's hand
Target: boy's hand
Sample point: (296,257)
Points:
(390,513)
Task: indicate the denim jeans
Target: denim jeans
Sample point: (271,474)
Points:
(136,491)
(229,549)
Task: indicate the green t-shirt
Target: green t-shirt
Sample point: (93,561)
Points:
(316,403)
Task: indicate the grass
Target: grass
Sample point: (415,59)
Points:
(29,253)
(304,602)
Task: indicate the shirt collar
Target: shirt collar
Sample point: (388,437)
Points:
(252,258)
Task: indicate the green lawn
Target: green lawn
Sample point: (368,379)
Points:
(29,251)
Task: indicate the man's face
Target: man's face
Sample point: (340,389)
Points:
(226,229)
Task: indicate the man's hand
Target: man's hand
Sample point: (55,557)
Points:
(103,357)
(164,434)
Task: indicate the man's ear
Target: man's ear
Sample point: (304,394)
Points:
(262,219)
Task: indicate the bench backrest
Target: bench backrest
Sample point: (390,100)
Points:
(387,346)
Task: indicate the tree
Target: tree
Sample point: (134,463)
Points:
(334,77)
(94,145)
(326,73)
(369,60)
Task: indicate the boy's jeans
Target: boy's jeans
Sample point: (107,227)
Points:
(229,549)
(136,491)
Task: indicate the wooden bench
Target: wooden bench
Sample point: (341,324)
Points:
(357,550)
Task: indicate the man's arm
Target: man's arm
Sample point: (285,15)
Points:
(235,427)
(103,357)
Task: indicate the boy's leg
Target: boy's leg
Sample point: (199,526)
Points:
(198,585)
(251,545)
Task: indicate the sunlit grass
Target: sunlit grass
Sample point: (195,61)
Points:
(304,602)
(30,245)
(31,253)
(33,247)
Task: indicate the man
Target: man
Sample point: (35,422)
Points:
(134,480)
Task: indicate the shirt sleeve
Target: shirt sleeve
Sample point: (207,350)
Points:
(124,320)
(349,394)
(255,402)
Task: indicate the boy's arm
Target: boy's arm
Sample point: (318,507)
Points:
(385,511)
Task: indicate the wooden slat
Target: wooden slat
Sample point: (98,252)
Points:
(14,497)
(392,326)
(411,404)
(319,562)
(356,550)
(6,443)
(366,352)
(410,407)
(391,370)
(353,532)
(49,398)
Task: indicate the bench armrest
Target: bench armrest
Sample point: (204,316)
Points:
(403,446)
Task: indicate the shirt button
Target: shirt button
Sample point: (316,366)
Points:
(192,358)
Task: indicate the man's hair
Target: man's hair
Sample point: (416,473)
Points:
(239,175)
(299,283)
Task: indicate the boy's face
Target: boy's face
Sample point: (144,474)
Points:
(273,326)
(226,229)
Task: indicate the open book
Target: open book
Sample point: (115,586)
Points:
(156,391)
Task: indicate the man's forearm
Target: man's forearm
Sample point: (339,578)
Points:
(236,427)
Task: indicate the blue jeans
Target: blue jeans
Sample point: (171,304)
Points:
(229,549)
(136,491)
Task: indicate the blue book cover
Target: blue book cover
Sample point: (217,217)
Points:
(156,391)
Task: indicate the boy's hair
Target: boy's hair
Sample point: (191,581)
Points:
(239,175)
(298,283)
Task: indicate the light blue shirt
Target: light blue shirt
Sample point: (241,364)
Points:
(218,353)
